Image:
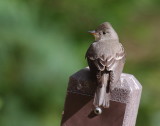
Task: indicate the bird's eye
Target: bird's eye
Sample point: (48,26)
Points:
(104,33)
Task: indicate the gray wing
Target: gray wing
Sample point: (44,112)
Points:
(111,60)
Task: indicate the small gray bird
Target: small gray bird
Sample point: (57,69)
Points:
(106,58)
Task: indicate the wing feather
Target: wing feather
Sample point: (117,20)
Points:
(102,61)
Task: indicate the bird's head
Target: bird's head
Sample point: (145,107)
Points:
(104,32)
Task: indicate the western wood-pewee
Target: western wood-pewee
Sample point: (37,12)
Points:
(106,58)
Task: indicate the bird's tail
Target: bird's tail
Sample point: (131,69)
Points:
(102,95)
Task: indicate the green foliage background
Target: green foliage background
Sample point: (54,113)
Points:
(43,42)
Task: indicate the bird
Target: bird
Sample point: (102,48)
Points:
(106,59)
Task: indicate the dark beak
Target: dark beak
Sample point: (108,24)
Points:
(92,32)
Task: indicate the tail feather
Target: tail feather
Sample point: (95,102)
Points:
(102,97)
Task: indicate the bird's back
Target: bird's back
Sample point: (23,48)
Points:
(104,49)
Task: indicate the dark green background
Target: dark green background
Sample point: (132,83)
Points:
(43,42)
